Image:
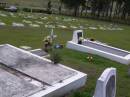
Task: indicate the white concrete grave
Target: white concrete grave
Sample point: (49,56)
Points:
(62,26)
(2,24)
(98,48)
(93,28)
(34,25)
(39,22)
(17,24)
(3,15)
(73,27)
(53,80)
(106,84)
(26,21)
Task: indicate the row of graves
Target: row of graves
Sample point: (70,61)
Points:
(29,20)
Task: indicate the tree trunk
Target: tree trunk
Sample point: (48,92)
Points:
(111,9)
(75,11)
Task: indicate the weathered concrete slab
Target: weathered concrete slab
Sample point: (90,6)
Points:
(39,52)
(13,86)
(33,65)
(106,49)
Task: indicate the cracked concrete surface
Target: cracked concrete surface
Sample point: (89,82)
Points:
(33,65)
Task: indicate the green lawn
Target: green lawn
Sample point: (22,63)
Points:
(33,37)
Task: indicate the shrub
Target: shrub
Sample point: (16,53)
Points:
(55,56)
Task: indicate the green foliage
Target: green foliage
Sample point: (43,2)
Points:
(55,56)
(73,4)
(49,7)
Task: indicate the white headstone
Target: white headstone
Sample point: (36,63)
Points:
(76,35)
(34,25)
(2,24)
(106,84)
(17,24)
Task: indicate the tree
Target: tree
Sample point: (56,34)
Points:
(49,7)
(83,5)
(126,9)
(60,7)
(73,4)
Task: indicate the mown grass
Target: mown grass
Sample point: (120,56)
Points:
(33,37)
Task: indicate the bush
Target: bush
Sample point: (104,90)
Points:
(27,9)
(55,56)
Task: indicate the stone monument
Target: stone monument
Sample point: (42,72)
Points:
(106,84)
(76,35)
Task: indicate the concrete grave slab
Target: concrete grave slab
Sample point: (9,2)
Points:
(13,86)
(58,79)
(98,48)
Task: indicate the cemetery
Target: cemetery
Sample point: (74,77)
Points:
(26,64)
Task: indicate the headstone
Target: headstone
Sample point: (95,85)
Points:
(39,22)
(76,35)
(62,26)
(106,84)
(73,27)
(93,28)
(3,15)
(49,26)
(17,24)
(34,25)
(44,18)
(26,21)
(2,24)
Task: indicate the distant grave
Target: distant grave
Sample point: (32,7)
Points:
(14,24)
(34,25)
(2,24)
(93,28)
(3,15)
(27,21)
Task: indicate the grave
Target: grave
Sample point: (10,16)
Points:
(3,15)
(98,48)
(27,48)
(13,86)
(39,22)
(57,79)
(2,24)
(62,26)
(39,52)
(34,25)
(17,24)
(26,21)
(73,27)
(106,84)
(93,28)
